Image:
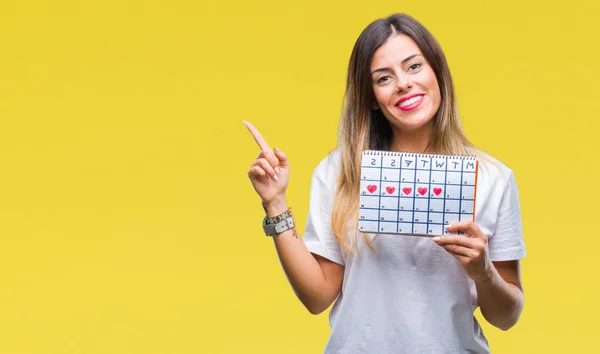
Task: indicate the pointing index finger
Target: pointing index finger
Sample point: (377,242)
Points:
(257,136)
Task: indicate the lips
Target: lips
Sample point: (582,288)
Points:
(410,102)
(403,99)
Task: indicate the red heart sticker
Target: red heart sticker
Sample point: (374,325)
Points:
(407,190)
(371,188)
(390,190)
(437,191)
(422,190)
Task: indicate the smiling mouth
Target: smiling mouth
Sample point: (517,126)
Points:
(410,101)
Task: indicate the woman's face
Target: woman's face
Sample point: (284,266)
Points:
(405,86)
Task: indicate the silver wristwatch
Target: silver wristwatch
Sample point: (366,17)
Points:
(283,225)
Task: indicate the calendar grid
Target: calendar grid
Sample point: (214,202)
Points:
(444,191)
(380,191)
(376,180)
(475,186)
(393,187)
(400,191)
(429,197)
(414,196)
(460,209)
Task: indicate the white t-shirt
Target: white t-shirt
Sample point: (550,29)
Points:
(411,296)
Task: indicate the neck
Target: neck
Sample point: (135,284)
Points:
(411,140)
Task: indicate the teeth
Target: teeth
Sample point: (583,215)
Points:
(411,101)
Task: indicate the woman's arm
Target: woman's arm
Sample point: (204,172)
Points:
(315,280)
(500,294)
(499,290)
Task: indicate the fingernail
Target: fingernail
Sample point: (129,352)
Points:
(447,226)
(276,178)
(436,239)
(276,149)
(277,170)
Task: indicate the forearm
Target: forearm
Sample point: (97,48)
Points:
(301,268)
(501,303)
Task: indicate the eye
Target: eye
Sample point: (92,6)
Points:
(383,79)
(415,66)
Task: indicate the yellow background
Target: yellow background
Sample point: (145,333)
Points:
(127,224)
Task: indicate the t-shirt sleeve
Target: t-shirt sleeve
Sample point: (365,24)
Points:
(318,234)
(507,242)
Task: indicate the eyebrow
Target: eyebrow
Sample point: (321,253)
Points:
(403,61)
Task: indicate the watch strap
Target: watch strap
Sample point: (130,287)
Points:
(277,228)
(275,219)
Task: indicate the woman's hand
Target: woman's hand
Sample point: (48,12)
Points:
(270,171)
(471,250)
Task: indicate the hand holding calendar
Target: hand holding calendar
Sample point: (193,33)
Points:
(270,171)
(471,251)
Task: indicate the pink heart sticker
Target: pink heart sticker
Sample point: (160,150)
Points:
(422,190)
(406,190)
(437,191)
(390,190)
(371,188)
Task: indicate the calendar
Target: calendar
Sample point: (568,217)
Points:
(415,194)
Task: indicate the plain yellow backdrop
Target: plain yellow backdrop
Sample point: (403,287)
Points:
(127,224)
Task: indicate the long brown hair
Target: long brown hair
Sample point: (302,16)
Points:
(363,128)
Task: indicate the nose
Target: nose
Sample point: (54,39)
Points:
(403,84)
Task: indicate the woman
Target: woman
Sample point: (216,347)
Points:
(394,293)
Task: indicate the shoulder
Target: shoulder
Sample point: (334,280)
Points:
(328,168)
(497,204)
(493,172)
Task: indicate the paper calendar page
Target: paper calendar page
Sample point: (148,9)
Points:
(415,194)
